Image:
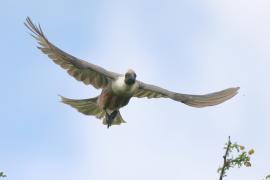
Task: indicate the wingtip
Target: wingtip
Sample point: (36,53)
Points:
(34,28)
(233,90)
(28,18)
(236,89)
(28,21)
(62,98)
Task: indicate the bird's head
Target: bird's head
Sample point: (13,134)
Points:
(130,77)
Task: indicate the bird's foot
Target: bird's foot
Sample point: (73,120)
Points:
(110,118)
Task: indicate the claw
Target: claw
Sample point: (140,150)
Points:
(110,118)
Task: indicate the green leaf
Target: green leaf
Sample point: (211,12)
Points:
(2,174)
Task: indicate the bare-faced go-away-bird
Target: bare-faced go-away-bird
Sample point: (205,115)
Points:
(117,89)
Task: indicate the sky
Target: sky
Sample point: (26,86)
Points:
(188,46)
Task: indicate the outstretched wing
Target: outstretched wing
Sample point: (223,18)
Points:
(81,70)
(211,99)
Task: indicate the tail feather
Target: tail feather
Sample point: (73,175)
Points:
(117,120)
(207,99)
(90,107)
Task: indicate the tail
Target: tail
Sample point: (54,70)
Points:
(90,107)
(116,121)
(207,99)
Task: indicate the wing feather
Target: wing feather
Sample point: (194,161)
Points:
(211,99)
(151,91)
(85,106)
(81,70)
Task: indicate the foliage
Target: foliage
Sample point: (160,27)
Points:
(267,177)
(235,156)
(2,174)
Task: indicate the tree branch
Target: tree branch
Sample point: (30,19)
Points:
(225,163)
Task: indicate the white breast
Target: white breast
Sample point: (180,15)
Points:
(119,87)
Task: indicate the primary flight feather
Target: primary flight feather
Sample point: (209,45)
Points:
(117,89)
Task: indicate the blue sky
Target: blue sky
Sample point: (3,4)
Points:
(187,46)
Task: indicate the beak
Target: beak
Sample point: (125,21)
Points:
(130,79)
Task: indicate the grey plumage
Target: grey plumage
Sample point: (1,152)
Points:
(81,70)
(199,101)
(89,107)
(116,90)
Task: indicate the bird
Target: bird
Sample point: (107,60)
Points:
(116,89)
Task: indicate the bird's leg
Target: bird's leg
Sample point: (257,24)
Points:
(110,118)
(107,119)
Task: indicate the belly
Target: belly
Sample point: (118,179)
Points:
(108,100)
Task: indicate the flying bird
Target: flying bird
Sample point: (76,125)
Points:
(117,89)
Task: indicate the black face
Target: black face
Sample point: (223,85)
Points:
(130,78)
